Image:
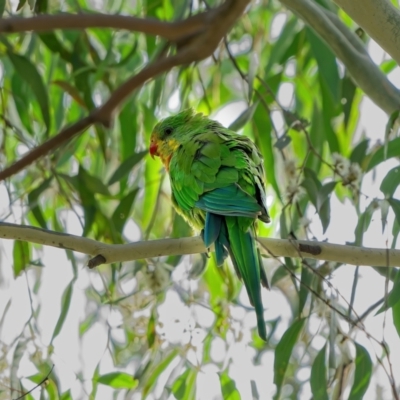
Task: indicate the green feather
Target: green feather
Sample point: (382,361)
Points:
(217,181)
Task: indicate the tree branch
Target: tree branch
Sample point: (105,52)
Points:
(44,23)
(349,49)
(216,23)
(111,253)
(380,19)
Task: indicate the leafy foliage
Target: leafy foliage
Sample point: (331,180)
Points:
(273,79)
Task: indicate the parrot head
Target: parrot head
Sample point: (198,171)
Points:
(170,132)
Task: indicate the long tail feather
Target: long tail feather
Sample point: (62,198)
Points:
(246,259)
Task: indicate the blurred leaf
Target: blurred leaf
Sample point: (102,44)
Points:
(282,44)
(151,330)
(118,380)
(33,198)
(20,91)
(65,303)
(378,156)
(123,210)
(283,142)
(283,352)
(228,387)
(28,72)
(362,374)
(396,317)
(243,118)
(21,256)
(184,387)
(393,296)
(19,352)
(312,191)
(348,92)
(126,166)
(21,3)
(396,208)
(363,224)
(359,152)
(2,7)
(72,91)
(262,124)
(324,193)
(327,66)
(160,367)
(390,182)
(318,379)
(306,280)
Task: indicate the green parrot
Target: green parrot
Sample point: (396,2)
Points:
(217,182)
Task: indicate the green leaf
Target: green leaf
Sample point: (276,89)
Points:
(118,380)
(228,387)
(327,66)
(21,3)
(65,302)
(283,352)
(127,121)
(21,96)
(393,150)
(160,367)
(281,46)
(28,72)
(396,208)
(393,296)
(396,317)
(33,197)
(312,191)
(362,375)
(389,125)
(359,152)
(348,93)
(363,224)
(151,330)
(318,379)
(184,387)
(262,125)
(307,278)
(126,166)
(92,183)
(21,256)
(243,118)
(2,7)
(123,210)
(324,192)
(390,182)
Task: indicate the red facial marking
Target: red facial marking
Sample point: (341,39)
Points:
(153,150)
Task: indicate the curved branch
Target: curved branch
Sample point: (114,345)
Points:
(44,23)
(348,48)
(380,19)
(216,23)
(112,253)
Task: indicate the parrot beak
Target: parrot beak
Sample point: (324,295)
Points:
(153,150)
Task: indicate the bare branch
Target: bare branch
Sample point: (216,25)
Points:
(380,19)
(44,23)
(216,22)
(365,73)
(111,253)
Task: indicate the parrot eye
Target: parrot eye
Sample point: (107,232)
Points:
(168,130)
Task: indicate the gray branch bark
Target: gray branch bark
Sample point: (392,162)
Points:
(350,51)
(103,253)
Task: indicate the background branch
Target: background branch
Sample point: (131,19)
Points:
(112,253)
(380,19)
(216,23)
(44,23)
(349,49)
